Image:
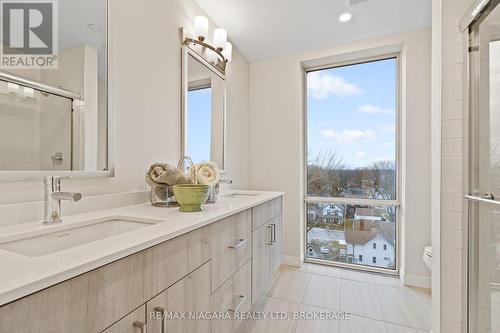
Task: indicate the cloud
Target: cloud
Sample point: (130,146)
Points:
(371,109)
(387,129)
(360,154)
(322,85)
(349,136)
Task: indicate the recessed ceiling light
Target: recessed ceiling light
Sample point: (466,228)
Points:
(345,17)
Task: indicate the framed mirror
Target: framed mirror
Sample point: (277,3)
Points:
(203,110)
(55,120)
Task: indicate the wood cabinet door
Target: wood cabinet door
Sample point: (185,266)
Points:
(135,322)
(261,240)
(276,245)
(223,258)
(170,311)
(265,212)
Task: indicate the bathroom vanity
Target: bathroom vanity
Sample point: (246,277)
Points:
(220,260)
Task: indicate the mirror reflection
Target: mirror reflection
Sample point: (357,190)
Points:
(55,119)
(204,113)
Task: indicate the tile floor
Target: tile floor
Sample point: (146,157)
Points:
(377,303)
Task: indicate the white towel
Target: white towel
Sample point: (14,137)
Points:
(162,175)
(207,173)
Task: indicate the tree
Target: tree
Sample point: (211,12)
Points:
(325,176)
(384,182)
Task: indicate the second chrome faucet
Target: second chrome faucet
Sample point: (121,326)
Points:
(53,196)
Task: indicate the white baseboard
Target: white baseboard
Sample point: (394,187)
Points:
(292,261)
(418,281)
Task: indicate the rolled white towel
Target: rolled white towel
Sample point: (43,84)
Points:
(161,175)
(207,173)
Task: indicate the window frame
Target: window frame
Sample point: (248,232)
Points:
(356,201)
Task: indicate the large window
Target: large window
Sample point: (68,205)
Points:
(352,163)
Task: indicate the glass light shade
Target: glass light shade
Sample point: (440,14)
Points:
(228,51)
(220,38)
(211,56)
(201,26)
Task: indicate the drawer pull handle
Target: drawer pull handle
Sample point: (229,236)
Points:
(140,325)
(273,233)
(162,310)
(242,299)
(271,239)
(238,244)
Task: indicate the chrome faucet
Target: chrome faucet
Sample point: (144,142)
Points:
(53,196)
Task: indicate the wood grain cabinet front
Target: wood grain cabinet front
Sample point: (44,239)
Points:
(231,299)
(224,266)
(267,246)
(95,300)
(231,244)
(177,308)
(134,322)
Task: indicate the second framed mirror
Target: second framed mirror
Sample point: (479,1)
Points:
(203,110)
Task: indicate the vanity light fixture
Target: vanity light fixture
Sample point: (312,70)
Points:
(345,17)
(219,52)
(479,7)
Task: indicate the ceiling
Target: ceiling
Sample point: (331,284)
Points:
(263,29)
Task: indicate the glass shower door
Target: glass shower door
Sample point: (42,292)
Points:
(484,175)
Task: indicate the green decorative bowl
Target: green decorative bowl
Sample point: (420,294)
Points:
(191,196)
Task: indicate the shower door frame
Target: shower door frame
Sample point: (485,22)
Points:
(473,77)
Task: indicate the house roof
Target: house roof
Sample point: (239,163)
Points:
(369,230)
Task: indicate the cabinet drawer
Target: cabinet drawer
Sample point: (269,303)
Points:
(235,295)
(132,323)
(266,211)
(87,303)
(189,295)
(243,237)
(222,302)
(242,291)
(170,261)
(231,246)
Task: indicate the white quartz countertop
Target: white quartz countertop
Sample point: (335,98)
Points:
(22,275)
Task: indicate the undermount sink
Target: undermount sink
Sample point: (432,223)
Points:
(236,195)
(72,235)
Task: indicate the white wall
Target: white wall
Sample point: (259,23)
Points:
(276,132)
(147,67)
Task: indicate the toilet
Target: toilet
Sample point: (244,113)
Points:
(427,256)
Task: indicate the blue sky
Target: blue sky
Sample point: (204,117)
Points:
(199,123)
(351,111)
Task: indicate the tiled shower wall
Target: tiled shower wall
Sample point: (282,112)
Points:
(454,126)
